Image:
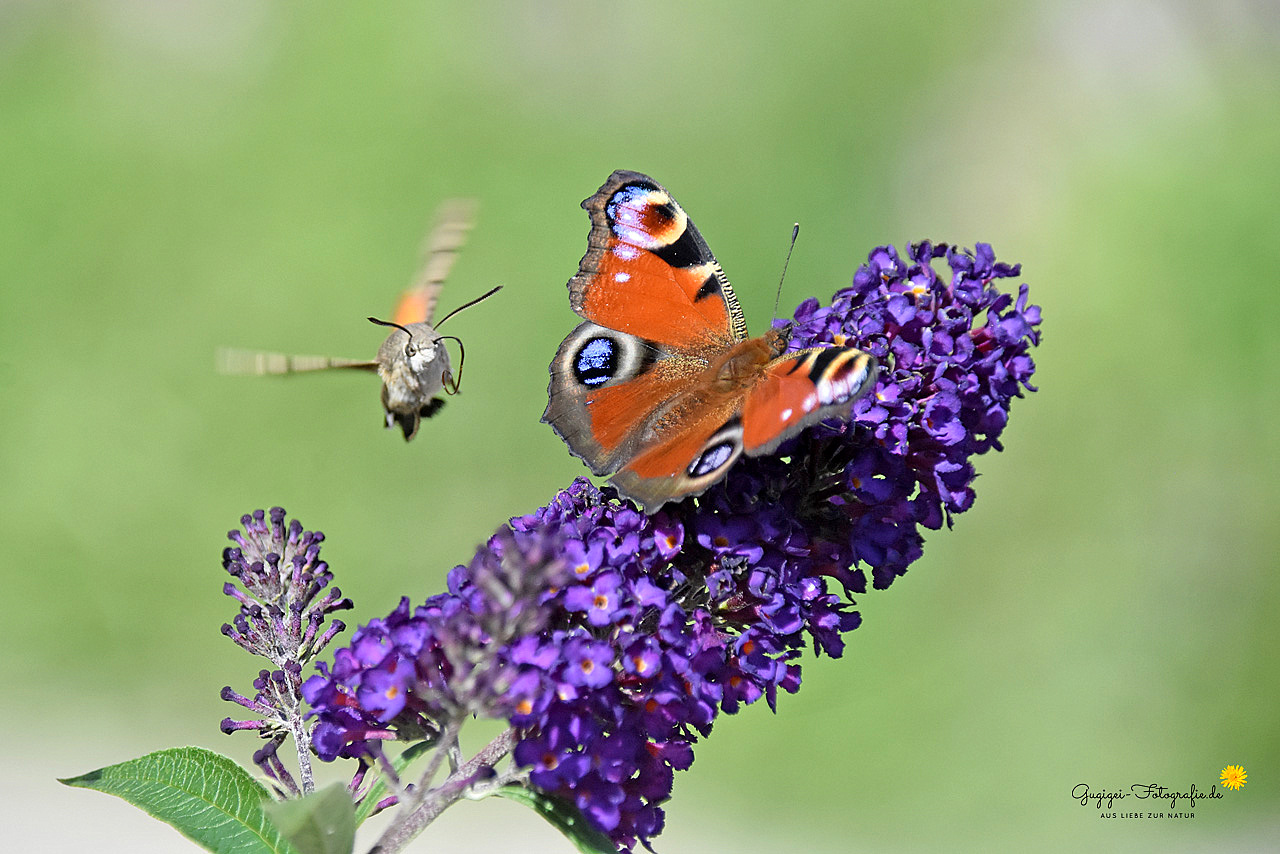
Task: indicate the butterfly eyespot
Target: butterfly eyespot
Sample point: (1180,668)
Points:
(711,459)
(646,217)
(596,361)
(631,203)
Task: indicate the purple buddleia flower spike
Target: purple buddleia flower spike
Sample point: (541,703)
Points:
(283,609)
(623,636)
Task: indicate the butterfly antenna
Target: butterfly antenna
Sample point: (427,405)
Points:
(795,232)
(461,307)
(462,357)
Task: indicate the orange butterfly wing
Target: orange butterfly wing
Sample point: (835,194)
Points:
(606,389)
(660,385)
(800,389)
(658,310)
(773,400)
(649,273)
(693,455)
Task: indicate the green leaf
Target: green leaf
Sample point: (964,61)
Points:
(324,822)
(562,815)
(379,788)
(205,796)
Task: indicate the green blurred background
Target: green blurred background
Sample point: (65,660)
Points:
(183,175)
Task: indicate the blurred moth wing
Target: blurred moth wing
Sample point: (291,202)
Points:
(261,363)
(454,219)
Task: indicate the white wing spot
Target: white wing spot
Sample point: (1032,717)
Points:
(622,277)
(786,413)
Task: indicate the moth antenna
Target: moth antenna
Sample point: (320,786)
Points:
(795,232)
(397,326)
(390,323)
(460,308)
(462,357)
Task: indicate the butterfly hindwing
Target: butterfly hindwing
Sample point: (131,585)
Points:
(607,387)
(692,457)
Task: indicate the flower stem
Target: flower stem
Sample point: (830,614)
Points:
(455,786)
(302,741)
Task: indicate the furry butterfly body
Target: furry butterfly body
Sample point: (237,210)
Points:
(660,385)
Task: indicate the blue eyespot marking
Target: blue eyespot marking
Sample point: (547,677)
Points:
(711,459)
(596,362)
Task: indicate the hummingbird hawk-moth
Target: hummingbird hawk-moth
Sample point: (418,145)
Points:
(412,362)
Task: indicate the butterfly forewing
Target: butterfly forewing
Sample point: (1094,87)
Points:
(800,389)
(648,272)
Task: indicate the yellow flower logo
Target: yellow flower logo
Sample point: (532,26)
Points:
(1233,777)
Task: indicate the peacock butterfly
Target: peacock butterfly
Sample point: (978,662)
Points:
(412,362)
(660,385)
